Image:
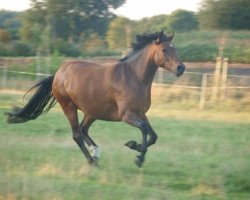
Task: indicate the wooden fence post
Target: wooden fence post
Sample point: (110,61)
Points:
(128,38)
(216,78)
(160,75)
(38,64)
(48,61)
(203,92)
(224,79)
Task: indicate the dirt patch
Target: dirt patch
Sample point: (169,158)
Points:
(6,91)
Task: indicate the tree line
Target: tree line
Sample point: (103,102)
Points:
(86,27)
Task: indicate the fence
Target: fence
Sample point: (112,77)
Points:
(205,90)
(193,89)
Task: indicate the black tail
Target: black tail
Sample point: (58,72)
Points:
(36,105)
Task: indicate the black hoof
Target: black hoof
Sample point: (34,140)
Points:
(134,146)
(138,162)
(131,145)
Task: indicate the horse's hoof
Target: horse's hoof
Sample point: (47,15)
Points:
(131,145)
(94,162)
(138,162)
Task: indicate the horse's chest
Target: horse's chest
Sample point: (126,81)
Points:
(138,99)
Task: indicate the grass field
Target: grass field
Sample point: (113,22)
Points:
(198,155)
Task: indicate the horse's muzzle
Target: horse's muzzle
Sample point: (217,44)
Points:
(180,70)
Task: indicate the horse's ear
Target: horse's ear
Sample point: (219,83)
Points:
(160,38)
(170,38)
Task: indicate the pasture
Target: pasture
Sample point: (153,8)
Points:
(198,155)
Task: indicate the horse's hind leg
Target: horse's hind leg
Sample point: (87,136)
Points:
(70,111)
(84,127)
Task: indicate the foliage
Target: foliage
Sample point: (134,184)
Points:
(225,14)
(89,28)
(152,24)
(92,42)
(69,19)
(4,35)
(118,34)
(67,48)
(205,45)
(16,48)
(63,25)
(56,61)
(182,20)
(11,22)
(192,52)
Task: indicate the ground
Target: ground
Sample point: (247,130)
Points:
(199,155)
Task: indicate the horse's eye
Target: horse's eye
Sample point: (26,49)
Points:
(164,50)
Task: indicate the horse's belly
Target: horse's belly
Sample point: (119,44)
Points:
(103,111)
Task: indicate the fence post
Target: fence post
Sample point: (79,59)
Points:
(160,75)
(48,61)
(4,76)
(203,92)
(224,79)
(128,38)
(38,64)
(216,77)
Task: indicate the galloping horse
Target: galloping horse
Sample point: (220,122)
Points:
(120,92)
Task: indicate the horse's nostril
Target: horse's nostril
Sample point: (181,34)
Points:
(181,68)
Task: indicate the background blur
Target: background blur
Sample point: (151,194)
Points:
(202,118)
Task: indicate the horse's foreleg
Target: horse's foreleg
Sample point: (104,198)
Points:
(152,135)
(84,127)
(152,138)
(142,125)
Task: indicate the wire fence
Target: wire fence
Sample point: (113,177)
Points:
(193,89)
(203,90)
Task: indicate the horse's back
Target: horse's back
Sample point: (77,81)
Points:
(80,66)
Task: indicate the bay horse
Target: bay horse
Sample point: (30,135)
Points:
(120,92)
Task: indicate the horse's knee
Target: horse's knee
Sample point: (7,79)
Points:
(153,138)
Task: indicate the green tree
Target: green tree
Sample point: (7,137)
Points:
(68,19)
(4,35)
(119,34)
(225,14)
(152,24)
(92,42)
(182,20)
(11,22)
(33,22)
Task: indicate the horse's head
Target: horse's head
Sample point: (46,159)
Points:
(165,55)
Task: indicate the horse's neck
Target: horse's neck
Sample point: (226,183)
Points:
(143,66)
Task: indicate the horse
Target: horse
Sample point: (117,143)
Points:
(120,92)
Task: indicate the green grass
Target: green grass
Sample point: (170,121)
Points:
(199,155)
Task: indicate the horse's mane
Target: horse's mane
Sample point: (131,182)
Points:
(143,40)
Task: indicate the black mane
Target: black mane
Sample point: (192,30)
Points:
(143,40)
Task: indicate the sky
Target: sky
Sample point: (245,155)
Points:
(132,9)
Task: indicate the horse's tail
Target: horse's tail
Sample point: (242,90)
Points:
(37,103)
